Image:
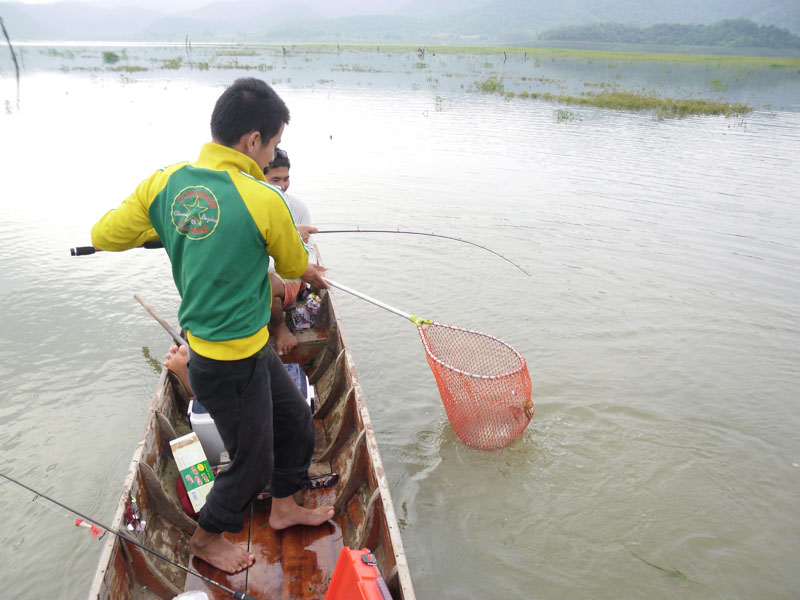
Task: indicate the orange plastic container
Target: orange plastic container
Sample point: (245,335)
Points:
(356,577)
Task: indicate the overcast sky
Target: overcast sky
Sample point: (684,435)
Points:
(325,8)
(365,6)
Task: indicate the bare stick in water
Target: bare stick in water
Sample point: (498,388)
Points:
(13,55)
(175,335)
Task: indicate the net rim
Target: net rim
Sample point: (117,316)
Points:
(522,366)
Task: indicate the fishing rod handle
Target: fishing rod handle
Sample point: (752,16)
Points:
(242,596)
(86,250)
(378,303)
(82,250)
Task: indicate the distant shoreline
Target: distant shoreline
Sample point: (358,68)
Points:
(613,52)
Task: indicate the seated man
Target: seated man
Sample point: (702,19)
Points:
(284,293)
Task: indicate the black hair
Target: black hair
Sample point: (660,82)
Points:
(249,104)
(281,160)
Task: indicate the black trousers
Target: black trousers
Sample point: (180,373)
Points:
(266,426)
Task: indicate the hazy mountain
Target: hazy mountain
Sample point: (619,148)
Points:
(390,21)
(729,33)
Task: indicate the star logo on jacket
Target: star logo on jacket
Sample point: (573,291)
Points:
(195,212)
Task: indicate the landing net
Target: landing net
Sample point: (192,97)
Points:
(484,384)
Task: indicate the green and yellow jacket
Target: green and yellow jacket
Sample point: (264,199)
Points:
(218,220)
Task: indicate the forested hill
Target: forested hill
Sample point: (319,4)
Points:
(456,22)
(728,33)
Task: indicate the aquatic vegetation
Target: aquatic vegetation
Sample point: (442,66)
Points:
(718,85)
(66,69)
(664,108)
(172,63)
(237,65)
(128,68)
(623,56)
(543,96)
(355,69)
(563,115)
(492,85)
(545,80)
(613,99)
(237,53)
(56,52)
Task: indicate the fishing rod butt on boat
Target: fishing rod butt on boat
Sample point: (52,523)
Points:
(237,595)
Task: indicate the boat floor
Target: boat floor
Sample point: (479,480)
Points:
(295,563)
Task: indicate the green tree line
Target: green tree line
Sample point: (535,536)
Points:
(730,32)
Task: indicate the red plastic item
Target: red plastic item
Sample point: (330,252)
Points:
(356,577)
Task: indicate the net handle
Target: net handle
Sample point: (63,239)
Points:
(416,320)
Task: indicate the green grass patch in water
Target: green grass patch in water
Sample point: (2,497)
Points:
(562,115)
(172,63)
(236,53)
(128,68)
(491,85)
(664,108)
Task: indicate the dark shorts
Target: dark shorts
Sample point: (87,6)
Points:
(265,425)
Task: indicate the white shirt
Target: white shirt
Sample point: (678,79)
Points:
(301,216)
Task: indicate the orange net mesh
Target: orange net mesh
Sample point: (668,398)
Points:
(484,384)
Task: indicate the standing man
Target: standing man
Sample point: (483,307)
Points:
(217,218)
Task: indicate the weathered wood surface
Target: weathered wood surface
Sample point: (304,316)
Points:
(294,563)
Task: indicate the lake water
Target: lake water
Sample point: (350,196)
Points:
(659,320)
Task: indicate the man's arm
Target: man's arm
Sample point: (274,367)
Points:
(129,225)
(314,276)
(306,230)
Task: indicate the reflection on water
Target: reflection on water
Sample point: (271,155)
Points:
(659,325)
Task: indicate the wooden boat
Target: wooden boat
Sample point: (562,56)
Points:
(293,563)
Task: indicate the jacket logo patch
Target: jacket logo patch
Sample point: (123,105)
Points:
(195,212)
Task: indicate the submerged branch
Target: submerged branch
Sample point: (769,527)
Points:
(13,55)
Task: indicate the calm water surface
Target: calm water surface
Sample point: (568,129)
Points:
(659,323)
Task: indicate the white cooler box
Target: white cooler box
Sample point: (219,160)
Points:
(203,425)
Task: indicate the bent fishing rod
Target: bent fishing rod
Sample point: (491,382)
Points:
(85,250)
(437,235)
(235,594)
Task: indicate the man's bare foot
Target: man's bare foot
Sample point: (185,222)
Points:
(176,361)
(219,552)
(286,512)
(284,339)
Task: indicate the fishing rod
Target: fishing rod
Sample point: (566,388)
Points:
(235,594)
(438,235)
(86,250)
